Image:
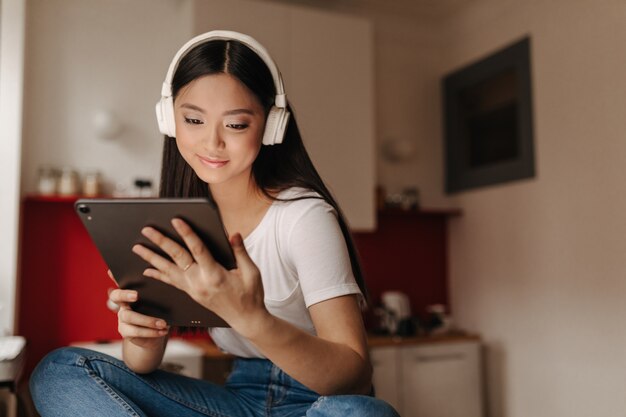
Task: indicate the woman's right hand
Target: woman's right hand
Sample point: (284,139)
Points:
(139,329)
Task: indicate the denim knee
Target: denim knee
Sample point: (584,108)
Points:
(351,406)
(45,376)
(42,379)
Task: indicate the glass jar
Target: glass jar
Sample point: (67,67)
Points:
(47,180)
(68,182)
(91,183)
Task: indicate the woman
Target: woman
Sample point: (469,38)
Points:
(293,302)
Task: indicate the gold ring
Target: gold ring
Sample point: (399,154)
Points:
(187,267)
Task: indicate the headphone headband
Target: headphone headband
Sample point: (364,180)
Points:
(278,117)
(228,35)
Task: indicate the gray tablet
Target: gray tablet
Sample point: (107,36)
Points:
(115,226)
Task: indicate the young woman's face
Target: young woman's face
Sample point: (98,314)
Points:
(219,128)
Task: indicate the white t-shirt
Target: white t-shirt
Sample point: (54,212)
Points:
(303,259)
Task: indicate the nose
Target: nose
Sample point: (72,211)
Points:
(213,139)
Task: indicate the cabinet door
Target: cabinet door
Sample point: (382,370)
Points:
(386,378)
(441,380)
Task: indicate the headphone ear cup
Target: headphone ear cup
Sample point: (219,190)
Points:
(165,116)
(275,126)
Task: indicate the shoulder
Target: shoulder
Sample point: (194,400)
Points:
(296,204)
(295,199)
(303,214)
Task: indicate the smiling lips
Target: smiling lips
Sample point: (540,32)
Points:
(213,162)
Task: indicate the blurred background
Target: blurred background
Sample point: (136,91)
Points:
(534,268)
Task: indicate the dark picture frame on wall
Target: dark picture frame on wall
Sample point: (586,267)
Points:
(488,120)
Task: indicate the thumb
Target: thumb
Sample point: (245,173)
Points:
(241,254)
(110,274)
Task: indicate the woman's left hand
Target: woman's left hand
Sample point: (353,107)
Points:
(235,295)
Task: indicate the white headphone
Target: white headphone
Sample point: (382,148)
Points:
(278,116)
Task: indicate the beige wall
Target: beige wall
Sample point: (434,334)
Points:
(408,65)
(537,266)
(83,56)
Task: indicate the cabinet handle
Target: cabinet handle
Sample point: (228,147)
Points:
(439,358)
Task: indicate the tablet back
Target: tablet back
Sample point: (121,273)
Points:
(115,226)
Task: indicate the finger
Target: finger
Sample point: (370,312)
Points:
(128,316)
(114,307)
(123,296)
(120,298)
(179,254)
(110,274)
(241,254)
(128,330)
(156,274)
(159,262)
(196,246)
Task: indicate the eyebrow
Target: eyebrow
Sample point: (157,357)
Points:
(226,113)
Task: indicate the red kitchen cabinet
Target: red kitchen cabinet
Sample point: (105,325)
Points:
(63,282)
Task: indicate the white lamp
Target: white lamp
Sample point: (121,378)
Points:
(107,125)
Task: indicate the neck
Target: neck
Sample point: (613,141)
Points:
(241,208)
(236,198)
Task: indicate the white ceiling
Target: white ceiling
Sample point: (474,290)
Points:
(415,9)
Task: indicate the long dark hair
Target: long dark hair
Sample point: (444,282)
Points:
(277,167)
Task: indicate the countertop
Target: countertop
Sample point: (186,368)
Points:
(374,341)
(211,351)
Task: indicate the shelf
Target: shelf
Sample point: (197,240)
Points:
(36,198)
(395,212)
(373,341)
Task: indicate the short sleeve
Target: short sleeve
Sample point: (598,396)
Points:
(318,252)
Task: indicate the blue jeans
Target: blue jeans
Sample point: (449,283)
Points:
(80,382)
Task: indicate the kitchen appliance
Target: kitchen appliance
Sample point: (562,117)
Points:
(397,308)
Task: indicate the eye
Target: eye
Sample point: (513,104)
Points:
(193,121)
(237,126)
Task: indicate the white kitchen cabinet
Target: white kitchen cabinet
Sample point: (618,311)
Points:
(430,379)
(181,357)
(386,377)
(327,64)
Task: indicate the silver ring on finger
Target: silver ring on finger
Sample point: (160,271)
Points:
(188,266)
